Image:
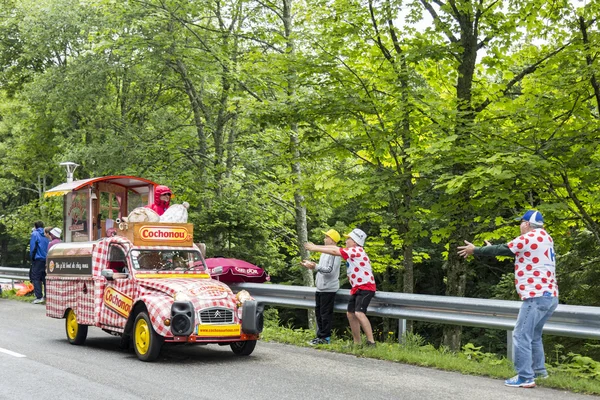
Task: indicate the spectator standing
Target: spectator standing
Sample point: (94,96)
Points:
(361,278)
(54,237)
(535,281)
(328,283)
(38,249)
(162,199)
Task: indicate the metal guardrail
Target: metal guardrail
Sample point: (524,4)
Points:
(567,320)
(14,274)
(572,321)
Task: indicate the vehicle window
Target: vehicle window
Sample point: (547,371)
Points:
(167,260)
(135,200)
(116,254)
(116,259)
(109,206)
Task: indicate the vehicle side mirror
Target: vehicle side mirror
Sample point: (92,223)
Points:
(108,274)
(111,275)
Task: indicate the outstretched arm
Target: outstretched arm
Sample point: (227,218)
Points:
(487,250)
(330,249)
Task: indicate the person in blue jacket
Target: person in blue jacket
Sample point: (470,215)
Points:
(38,250)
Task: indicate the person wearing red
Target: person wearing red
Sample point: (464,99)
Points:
(535,282)
(162,199)
(361,278)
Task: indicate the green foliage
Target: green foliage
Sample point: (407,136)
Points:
(362,114)
(271,317)
(11,294)
(579,366)
(579,269)
(472,352)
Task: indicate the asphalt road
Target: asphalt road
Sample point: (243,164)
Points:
(36,361)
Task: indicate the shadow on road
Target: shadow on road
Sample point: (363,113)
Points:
(171,353)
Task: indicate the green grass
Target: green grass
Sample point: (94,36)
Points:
(10,294)
(471,361)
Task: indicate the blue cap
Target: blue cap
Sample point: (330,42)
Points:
(534,217)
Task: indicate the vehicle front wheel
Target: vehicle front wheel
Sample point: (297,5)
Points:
(76,333)
(243,348)
(146,341)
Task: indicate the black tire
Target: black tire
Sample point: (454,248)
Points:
(76,333)
(146,342)
(243,348)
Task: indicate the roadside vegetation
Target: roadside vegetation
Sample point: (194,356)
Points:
(12,295)
(572,372)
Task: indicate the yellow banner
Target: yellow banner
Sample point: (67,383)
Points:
(219,330)
(117,301)
(162,234)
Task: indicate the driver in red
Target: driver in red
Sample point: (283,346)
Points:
(162,199)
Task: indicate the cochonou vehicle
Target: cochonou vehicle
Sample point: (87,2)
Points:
(146,282)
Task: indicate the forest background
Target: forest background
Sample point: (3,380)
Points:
(423,122)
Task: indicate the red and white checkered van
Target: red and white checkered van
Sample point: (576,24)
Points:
(146,282)
(148,295)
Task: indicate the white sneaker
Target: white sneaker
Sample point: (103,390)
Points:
(38,301)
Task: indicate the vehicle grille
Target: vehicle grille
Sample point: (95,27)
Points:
(216,315)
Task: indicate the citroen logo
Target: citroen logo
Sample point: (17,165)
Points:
(217,314)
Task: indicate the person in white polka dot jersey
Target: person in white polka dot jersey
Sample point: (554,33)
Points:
(361,278)
(535,281)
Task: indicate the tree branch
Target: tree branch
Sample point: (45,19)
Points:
(526,71)
(436,18)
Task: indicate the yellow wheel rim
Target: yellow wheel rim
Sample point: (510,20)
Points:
(72,326)
(142,336)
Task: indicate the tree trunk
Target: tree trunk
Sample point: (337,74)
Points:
(403,164)
(456,271)
(196,104)
(589,59)
(301,225)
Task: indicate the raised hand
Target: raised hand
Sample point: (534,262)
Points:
(466,251)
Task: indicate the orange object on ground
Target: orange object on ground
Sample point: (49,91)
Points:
(25,288)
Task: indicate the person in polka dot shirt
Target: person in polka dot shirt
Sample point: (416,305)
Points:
(535,281)
(361,278)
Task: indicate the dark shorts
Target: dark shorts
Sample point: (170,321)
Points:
(360,300)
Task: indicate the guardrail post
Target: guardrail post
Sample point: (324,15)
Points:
(401,330)
(510,349)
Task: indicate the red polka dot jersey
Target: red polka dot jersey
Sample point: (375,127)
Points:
(359,269)
(535,273)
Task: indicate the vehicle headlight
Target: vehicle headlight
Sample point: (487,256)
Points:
(242,296)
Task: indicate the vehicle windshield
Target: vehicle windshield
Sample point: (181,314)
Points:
(167,260)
